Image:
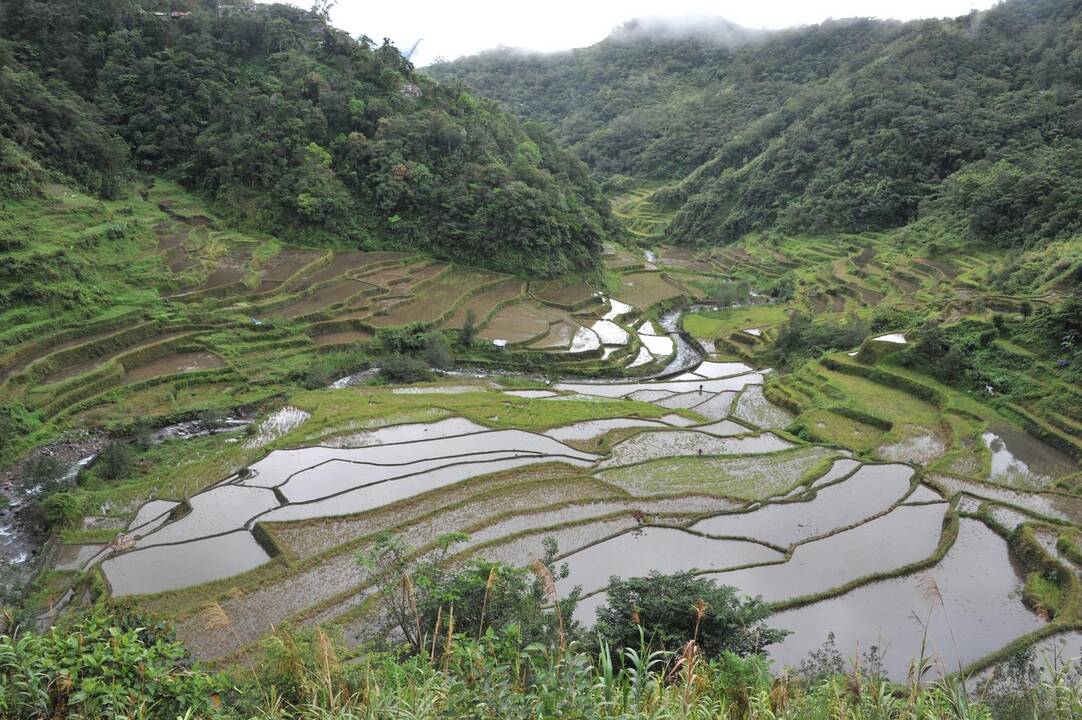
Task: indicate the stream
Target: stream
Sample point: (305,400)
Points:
(21,536)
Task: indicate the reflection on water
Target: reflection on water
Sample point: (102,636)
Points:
(1021,460)
(981,611)
(869,491)
(170,567)
(658,549)
(903,536)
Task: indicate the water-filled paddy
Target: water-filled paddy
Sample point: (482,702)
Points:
(384,493)
(610,333)
(592,428)
(751,477)
(1021,460)
(642,358)
(665,444)
(219,510)
(1046,504)
(584,340)
(660,345)
(614,390)
(170,567)
(685,400)
(658,549)
(870,491)
(905,535)
(767,514)
(411,432)
(980,611)
(754,408)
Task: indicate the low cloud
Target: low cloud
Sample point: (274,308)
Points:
(705,28)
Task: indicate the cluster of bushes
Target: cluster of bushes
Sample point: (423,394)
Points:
(727,292)
(802,337)
(423,596)
(409,353)
(325,368)
(965,353)
(15,421)
(57,505)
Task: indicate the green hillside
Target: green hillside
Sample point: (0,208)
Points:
(846,126)
(287,125)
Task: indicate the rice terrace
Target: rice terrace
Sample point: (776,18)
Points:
(372,402)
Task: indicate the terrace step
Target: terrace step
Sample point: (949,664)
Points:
(1065,423)
(1036,425)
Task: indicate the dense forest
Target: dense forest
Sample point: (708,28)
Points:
(845,126)
(287,125)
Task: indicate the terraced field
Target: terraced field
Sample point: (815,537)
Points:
(590,410)
(694,473)
(642,217)
(205,318)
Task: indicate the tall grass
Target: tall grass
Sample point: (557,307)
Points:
(492,677)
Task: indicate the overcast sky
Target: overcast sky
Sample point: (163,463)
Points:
(451,28)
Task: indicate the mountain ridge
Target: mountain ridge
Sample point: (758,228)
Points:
(846,126)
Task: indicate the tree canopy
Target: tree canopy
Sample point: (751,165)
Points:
(289,126)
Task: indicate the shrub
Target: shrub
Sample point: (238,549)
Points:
(420,595)
(15,420)
(212,418)
(60,508)
(468,332)
(115,461)
(408,340)
(437,352)
(800,337)
(44,469)
(727,292)
(403,369)
(143,431)
(783,289)
(97,667)
(325,368)
(673,609)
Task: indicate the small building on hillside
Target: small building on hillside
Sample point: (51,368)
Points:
(411,90)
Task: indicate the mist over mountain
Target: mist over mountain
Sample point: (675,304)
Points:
(707,29)
(843,126)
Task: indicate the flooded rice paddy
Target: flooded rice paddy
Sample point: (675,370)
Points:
(704,487)
(658,549)
(905,535)
(979,612)
(1021,460)
(868,492)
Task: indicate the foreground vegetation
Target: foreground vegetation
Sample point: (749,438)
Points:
(114,666)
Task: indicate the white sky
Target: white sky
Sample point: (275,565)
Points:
(451,28)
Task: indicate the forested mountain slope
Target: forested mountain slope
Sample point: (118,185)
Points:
(845,126)
(287,125)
